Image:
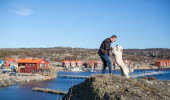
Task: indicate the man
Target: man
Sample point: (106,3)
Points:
(104,53)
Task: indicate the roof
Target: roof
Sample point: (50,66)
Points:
(72,61)
(10,59)
(29,60)
(65,61)
(92,61)
(162,60)
(78,61)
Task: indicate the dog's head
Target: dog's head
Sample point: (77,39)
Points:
(119,48)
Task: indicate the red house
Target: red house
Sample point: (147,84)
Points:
(92,63)
(126,62)
(79,63)
(99,63)
(32,65)
(72,63)
(162,63)
(9,61)
(65,63)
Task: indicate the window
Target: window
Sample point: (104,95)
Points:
(22,64)
(42,65)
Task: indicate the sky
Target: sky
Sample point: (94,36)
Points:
(138,24)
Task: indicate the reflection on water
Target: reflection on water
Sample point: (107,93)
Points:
(24,91)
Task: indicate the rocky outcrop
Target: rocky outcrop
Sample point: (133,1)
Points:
(111,87)
(11,80)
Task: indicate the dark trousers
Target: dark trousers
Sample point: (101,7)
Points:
(106,61)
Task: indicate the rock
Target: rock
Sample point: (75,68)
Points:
(149,78)
(20,79)
(112,87)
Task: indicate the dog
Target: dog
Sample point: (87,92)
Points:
(118,51)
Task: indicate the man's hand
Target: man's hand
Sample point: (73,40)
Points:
(112,48)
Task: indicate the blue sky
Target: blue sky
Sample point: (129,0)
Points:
(84,23)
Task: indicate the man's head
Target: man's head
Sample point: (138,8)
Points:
(113,38)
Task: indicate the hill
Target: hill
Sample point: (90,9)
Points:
(67,53)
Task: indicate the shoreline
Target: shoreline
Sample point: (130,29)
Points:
(6,80)
(142,68)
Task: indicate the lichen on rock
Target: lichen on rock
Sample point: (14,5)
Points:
(112,87)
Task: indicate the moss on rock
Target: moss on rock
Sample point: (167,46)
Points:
(112,87)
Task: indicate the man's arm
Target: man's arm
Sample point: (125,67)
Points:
(105,47)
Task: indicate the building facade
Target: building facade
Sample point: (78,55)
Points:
(8,61)
(32,65)
(162,63)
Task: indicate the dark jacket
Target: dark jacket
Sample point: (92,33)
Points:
(105,47)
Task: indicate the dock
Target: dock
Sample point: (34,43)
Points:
(151,73)
(72,76)
(135,75)
(49,90)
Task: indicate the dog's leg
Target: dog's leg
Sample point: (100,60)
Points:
(121,71)
(126,71)
(114,51)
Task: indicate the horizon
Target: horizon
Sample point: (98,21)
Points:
(84,24)
(74,48)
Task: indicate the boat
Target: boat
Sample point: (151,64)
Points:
(76,69)
(91,70)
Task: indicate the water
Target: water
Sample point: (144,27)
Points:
(24,91)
